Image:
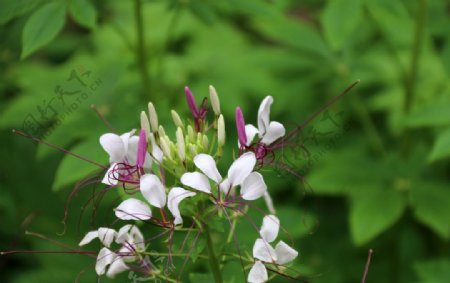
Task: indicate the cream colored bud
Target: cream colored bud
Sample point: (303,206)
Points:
(165,146)
(181,145)
(161,131)
(153,117)
(221,130)
(191,134)
(215,102)
(176,119)
(192,150)
(205,142)
(145,125)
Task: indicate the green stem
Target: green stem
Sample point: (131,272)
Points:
(141,55)
(213,260)
(410,82)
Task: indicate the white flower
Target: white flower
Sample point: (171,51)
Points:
(264,252)
(240,173)
(268,131)
(112,263)
(155,193)
(121,149)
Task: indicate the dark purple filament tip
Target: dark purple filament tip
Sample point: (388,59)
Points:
(142,149)
(240,125)
(191,103)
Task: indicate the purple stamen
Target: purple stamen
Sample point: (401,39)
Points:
(142,149)
(191,103)
(240,125)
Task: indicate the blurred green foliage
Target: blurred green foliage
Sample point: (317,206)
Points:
(381,183)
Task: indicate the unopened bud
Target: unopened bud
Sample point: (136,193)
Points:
(205,142)
(181,145)
(192,150)
(221,130)
(176,119)
(145,125)
(215,102)
(161,131)
(191,134)
(165,146)
(153,117)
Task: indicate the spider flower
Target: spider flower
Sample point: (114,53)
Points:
(112,263)
(263,251)
(240,173)
(154,193)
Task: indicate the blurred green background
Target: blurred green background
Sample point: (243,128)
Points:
(377,164)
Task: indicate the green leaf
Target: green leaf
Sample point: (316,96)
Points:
(72,169)
(200,278)
(13,8)
(43,26)
(295,222)
(84,12)
(441,147)
(433,271)
(340,19)
(431,204)
(436,114)
(373,211)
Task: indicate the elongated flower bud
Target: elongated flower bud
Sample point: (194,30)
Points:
(192,150)
(191,134)
(221,130)
(205,142)
(176,119)
(240,125)
(153,117)
(191,103)
(181,145)
(145,124)
(165,146)
(161,131)
(215,102)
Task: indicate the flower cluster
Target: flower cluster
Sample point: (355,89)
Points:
(160,173)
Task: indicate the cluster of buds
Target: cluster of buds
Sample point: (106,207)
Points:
(161,173)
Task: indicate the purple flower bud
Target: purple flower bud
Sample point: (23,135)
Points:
(191,103)
(240,125)
(142,149)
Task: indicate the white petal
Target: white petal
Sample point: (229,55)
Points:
(156,150)
(270,227)
(153,190)
(114,146)
(251,132)
(207,165)
(258,273)
(106,236)
(263,114)
(196,181)
(116,267)
(276,130)
(88,238)
(285,253)
(225,186)
(137,241)
(176,195)
(269,202)
(241,168)
(132,150)
(253,187)
(123,234)
(126,138)
(111,176)
(105,257)
(133,209)
(262,250)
